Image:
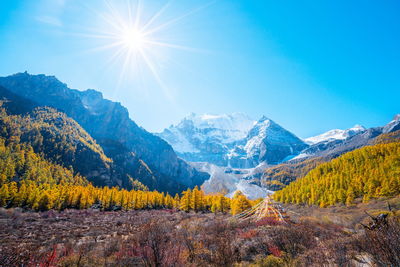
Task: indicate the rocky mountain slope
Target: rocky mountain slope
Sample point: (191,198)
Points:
(62,140)
(268,142)
(227,180)
(109,124)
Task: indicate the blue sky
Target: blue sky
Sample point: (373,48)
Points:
(309,65)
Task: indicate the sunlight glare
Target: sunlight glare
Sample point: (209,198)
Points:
(137,41)
(133,39)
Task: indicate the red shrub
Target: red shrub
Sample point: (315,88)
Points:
(275,251)
(249,234)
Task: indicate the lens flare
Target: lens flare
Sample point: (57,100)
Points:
(133,39)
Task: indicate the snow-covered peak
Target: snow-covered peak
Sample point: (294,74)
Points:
(395,119)
(232,140)
(393,125)
(256,135)
(266,136)
(336,134)
(222,121)
(226,127)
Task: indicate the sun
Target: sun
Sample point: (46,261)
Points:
(133,39)
(136,39)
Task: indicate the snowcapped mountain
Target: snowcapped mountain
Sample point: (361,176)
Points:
(269,142)
(226,128)
(207,138)
(232,148)
(336,134)
(232,140)
(336,142)
(328,141)
(236,150)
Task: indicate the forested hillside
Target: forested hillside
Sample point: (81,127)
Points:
(387,138)
(29,181)
(135,152)
(59,139)
(369,172)
(62,140)
(277,177)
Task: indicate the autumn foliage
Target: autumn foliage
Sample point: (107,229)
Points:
(368,172)
(27,180)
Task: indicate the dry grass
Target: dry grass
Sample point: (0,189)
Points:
(347,216)
(172,238)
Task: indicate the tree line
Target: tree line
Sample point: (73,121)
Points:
(28,180)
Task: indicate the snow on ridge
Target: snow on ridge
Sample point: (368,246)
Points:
(257,139)
(227,127)
(335,134)
(180,143)
(300,156)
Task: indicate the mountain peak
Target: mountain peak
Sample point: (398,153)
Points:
(34,80)
(92,93)
(234,125)
(263,119)
(393,125)
(214,117)
(358,127)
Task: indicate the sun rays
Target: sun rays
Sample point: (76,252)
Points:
(136,41)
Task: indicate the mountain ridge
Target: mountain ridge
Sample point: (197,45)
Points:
(109,123)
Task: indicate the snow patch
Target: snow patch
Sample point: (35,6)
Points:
(255,142)
(336,134)
(251,191)
(226,127)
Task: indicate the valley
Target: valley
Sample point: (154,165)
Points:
(81,184)
(199,133)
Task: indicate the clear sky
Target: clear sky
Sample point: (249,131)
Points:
(309,65)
